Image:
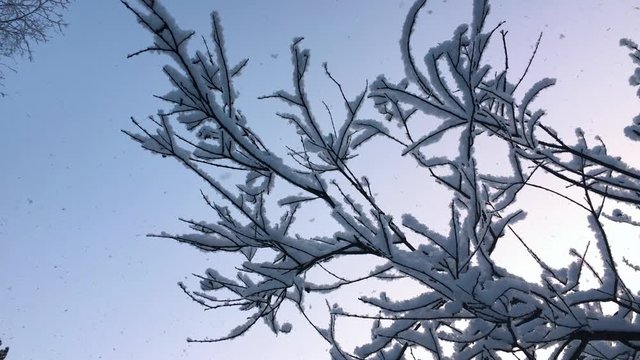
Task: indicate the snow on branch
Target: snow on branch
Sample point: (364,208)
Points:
(464,300)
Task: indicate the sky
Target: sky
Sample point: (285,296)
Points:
(78,277)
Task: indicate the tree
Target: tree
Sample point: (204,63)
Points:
(3,352)
(464,302)
(25,22)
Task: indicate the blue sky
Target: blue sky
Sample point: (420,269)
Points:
(78,278)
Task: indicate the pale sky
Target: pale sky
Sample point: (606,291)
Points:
(78,278)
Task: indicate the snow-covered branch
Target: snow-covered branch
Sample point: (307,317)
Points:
(467,305)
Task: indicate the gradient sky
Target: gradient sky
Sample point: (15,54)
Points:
(78,278)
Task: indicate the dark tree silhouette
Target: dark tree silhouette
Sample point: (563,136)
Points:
(3,352)
(25,22)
